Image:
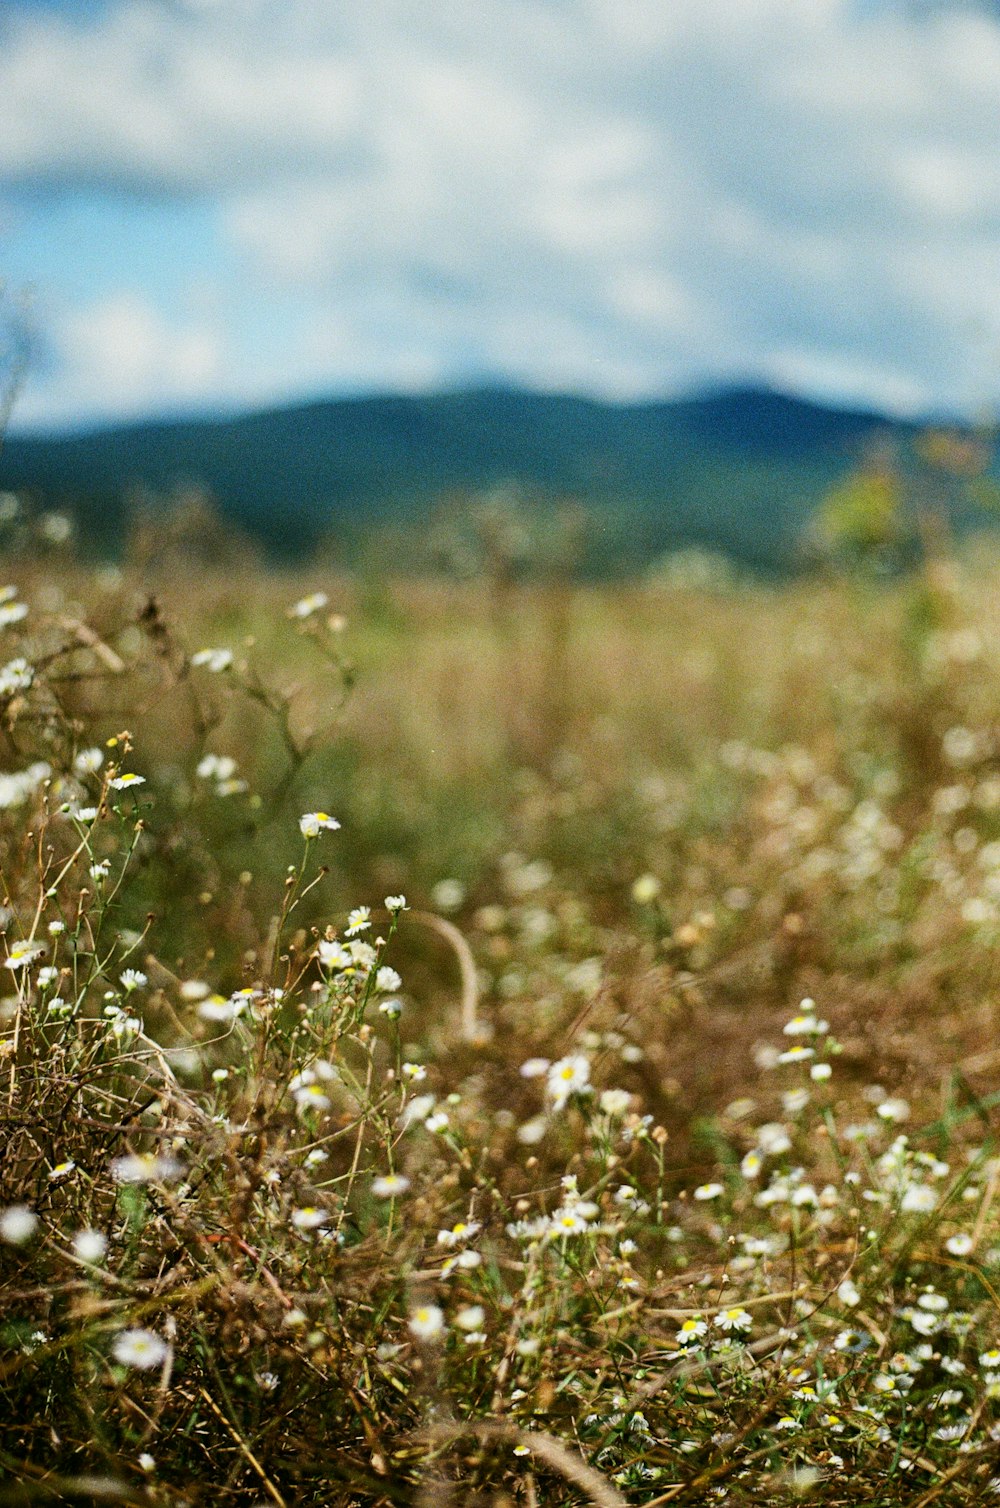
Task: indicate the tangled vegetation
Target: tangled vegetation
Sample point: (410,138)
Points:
(560,1071)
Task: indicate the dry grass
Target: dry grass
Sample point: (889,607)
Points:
(652,821)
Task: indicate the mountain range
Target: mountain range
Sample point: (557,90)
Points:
(738,470)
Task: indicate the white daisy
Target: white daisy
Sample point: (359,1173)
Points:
(140,1348)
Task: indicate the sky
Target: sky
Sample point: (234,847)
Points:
(213,205)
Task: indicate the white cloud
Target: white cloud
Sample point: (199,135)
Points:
(614,195)
(121,356)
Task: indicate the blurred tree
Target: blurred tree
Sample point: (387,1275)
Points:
(902,500)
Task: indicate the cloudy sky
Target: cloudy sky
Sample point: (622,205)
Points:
(212,204)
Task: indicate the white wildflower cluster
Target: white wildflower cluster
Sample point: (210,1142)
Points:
(17,675)
(11,610)
(215,660)
(17,789)
(575,1216)
(310,1088)
(221,770)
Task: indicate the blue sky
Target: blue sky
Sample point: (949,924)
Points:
(212,204)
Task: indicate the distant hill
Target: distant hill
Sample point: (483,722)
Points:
(738,471)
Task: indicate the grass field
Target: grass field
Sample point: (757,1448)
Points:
(602,1112)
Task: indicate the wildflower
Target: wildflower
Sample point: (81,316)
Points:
(935,1303)
(311,1097)
(462,1230)
(567,1077)
(395,904)
(773,1139)
(194,989)
(530,1132)
(414,1072)
(311,824)
(133,979)
(220,767)
(568,1221)
(307,606)
(392,1008)
(707,1191)
(615,1102)
(923,1324)
(389,1185)
(797,1054)
(215,660)
(893,1110)
(848,1294)
(692,1330)
(436,1122)
(88,761)
(959,1245)
(471,1317)
(145,1167)
(140,1348)
(801,1026)
(62,1169)
(18,1224)
(919,1199)
(534,1068)
(387,980)
(309,1218)
(427,1322)
(215,1008)
(89,1245)
(22,954)
(734,1319)
(645,889)
(852,1341)
(417,1109)
(820,1072)
(358,920)
(467,1260)
(333,955)
(16,675)
(12,612)
(127,781)
(448,895)
(752,1164)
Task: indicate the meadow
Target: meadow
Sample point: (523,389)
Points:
(499,1043)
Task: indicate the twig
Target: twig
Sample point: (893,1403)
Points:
(472,1027)
(546,1447)
(244,1448)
